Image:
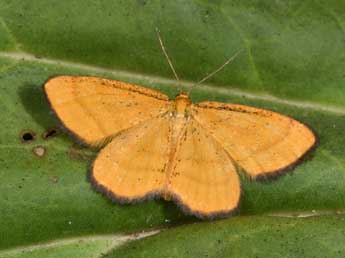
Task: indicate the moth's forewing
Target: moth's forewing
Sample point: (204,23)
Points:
(93,109)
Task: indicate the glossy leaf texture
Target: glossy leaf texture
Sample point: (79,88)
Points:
(245,237)
(292,62)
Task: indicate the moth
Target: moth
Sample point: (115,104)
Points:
(187,152)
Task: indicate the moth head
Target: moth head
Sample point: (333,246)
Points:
(182,102)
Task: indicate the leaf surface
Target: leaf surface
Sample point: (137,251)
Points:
(293,63)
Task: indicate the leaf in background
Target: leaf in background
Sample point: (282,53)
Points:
(268,237)
(293,63)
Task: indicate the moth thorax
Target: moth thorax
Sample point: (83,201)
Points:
(182,103)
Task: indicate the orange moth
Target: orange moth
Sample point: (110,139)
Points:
(182,151)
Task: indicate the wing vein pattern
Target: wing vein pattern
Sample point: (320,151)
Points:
(203,178)
(93,109)
(262,142)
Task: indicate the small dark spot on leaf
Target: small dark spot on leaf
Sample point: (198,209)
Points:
(27,136)
(39,151)
(50,133)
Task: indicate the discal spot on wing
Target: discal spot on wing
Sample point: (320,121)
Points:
(132,166)
(93,109)
(261,141)
(203,178)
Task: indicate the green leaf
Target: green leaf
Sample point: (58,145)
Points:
(86,246)
(244,237)
(293,63)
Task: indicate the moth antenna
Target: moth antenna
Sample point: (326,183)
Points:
(216,71)
(169,61)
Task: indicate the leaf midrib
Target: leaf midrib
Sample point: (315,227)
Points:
(116,239)
(120,239)
(158,80)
